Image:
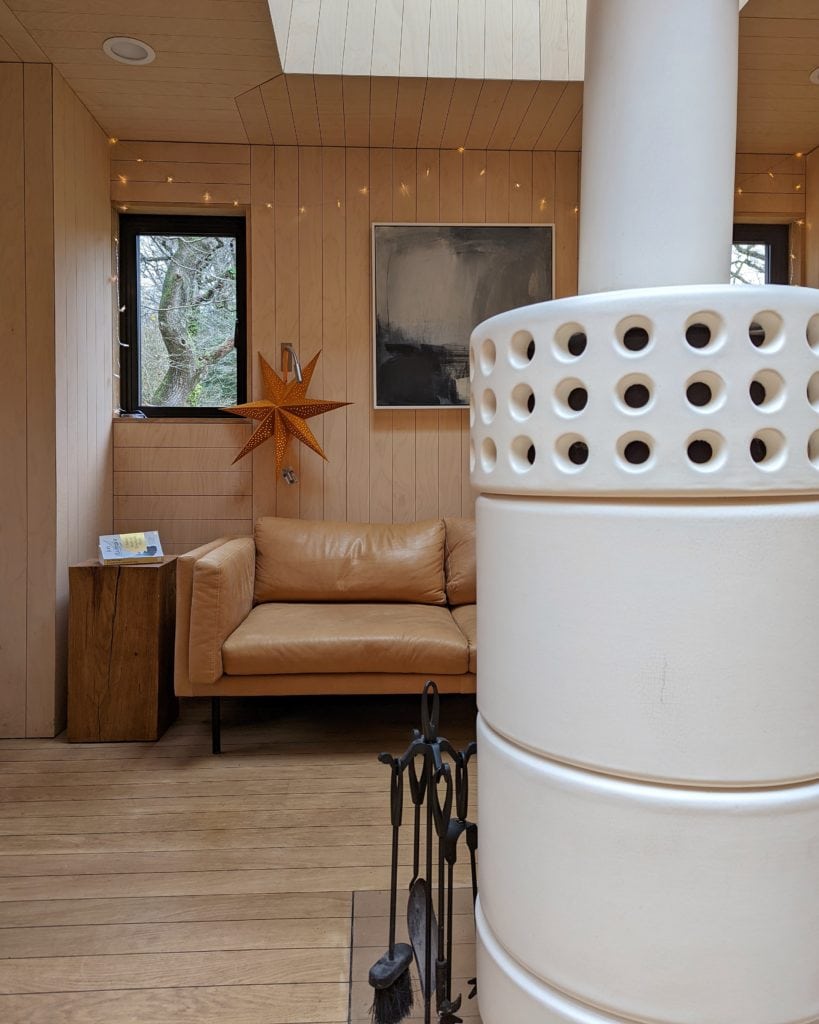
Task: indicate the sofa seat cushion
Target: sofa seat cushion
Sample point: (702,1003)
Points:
(466,617)
(295,638)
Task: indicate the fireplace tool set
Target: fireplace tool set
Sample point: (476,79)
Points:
(438,776)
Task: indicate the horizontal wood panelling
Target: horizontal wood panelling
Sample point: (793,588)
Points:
(184,506)
(181,506)
(180,434)
(199,482)
(176,193)
(183,173)
(770,185)
(183,152)
(180,173)
(176,459)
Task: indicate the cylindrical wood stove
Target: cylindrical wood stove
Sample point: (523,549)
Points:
(648,570)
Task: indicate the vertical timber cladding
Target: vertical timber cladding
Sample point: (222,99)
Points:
(55,413)
(310,211)
(13,407)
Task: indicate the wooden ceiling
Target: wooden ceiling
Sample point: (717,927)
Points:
(779,47)
(207,53)
(217,78)
(331,110)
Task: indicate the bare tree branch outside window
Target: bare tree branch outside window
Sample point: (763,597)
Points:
(748,262)
(187,320)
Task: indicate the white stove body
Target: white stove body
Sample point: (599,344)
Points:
(648,576)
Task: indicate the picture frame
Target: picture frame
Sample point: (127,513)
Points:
(431,285)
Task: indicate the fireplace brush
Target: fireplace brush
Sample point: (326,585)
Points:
(390,975)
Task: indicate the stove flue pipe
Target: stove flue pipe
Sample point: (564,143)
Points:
(648,574)
(659,140)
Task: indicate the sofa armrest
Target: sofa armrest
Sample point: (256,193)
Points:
(221,599)
(185,566)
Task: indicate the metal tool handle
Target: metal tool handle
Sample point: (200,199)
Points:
(430,711)
(442,812)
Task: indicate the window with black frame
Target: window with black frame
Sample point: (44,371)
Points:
(760,254)
(182,317)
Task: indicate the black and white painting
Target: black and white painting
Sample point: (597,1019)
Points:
(433,283)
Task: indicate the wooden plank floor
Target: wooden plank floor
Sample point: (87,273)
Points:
(150,883)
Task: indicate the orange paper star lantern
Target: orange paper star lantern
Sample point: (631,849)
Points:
(283,411)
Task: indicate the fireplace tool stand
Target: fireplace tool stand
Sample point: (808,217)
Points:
(438,776)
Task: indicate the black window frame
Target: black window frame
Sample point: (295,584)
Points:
(777,240)
(131,225)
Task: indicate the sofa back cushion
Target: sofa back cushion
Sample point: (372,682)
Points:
(460,560)
(305,560)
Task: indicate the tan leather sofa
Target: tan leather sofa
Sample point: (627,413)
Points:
(307,607)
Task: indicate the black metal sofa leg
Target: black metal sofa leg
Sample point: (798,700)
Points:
(216,724)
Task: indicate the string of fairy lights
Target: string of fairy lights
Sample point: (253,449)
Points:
(543,203)
(403,188)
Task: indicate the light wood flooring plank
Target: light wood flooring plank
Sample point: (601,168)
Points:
(193,937)
(155,843)
(174,909)
(170,970)
(200,883)
(316,856)
(324,1003)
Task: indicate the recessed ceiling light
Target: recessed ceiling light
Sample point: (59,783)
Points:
(128,51)
(814,76)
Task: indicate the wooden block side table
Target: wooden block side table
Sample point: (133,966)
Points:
(120,651)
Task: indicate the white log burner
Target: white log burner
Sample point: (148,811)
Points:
(648,572)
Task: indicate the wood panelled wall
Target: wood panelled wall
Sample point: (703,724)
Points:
(14,412)
(310,216)
(83,310)
(773,189)
(55,298)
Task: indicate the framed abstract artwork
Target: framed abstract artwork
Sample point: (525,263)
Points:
(432,284)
